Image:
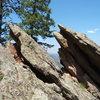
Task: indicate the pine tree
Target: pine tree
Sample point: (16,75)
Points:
(36,20)
(1,7)
(6,8)
(34,15)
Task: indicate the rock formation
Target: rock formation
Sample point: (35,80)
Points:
(37,77)
(81,58)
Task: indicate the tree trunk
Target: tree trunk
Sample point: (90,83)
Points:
(1,7)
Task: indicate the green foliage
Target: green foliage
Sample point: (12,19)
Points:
(6,8)
(1,76)
(82,85)
(34,15)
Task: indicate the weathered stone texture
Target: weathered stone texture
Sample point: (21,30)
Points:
(80,57)
(36,78)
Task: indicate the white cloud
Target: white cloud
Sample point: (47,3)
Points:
(96,29)
(93,31)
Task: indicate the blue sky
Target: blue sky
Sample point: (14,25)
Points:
(79,15)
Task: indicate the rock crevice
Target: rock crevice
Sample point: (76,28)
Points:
(37,76)
(80,57)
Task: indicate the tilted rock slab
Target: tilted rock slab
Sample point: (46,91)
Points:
(38,77)
(80,57)
(20,83)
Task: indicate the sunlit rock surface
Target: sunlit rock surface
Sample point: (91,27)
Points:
(81,58)
(37,77)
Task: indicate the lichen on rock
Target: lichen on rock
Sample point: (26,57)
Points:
(38,76)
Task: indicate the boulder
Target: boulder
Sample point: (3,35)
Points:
(37,77)
(80,57)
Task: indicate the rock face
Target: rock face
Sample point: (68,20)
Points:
(81,58)
(37,77)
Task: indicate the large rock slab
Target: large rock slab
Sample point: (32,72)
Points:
(20,83)
(80,57)
(36,78)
